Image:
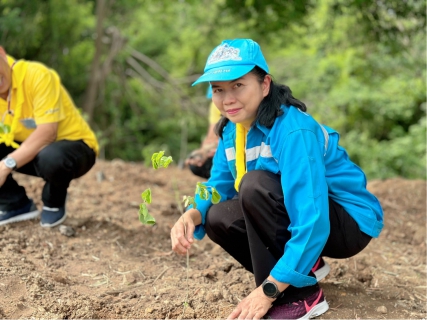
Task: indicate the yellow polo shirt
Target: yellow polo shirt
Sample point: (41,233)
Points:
(38,97)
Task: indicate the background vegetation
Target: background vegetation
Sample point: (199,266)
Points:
(360,65)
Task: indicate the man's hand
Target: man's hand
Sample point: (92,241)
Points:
(4,172)
(196,158)
(41,137)
(254,306)
(199,156)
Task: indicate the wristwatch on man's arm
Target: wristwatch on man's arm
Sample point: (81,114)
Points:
(10,163)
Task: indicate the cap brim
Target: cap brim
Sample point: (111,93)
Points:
(224,73)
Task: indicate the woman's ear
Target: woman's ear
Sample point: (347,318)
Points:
(266,85)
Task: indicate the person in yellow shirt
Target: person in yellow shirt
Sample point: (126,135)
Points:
(42,134)
(200,160)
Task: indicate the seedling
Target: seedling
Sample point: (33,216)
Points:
(158,160)
(144,216)
(203,192)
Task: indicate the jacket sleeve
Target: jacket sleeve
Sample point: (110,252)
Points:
(305,192)
(222,180)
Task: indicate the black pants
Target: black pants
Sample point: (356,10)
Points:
(253,229)
(58,164)
(203,171)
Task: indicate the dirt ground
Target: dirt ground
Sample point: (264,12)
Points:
(115,267)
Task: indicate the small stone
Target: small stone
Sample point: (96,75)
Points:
(134,204)
(100,176)
(213,296)
(67,230)
(188,313)
(382,309)
(209,273)
(149,310)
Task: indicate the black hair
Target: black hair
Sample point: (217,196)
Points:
(270,107)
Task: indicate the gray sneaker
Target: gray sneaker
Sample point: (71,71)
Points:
(27,212)
(52,217)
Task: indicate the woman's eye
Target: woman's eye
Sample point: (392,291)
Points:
(217,90)
(238,85)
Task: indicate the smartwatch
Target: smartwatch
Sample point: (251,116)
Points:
(270,289)
(9,163)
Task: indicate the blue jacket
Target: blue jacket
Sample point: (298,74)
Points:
(312,167)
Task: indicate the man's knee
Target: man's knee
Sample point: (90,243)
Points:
(52,163)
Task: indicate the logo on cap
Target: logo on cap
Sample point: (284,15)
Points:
(224,53)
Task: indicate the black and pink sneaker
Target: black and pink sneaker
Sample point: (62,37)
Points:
(321,269)
(312,306)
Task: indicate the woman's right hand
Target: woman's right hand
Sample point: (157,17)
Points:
(183,230)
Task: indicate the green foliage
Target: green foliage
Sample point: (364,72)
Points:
(359,65)
(372,94)
(268,16)
(204,194)
(159,160)
(146,196)
(4,128)
(144,216)
(188,201)
(57,33)
(203,191)
(403,156)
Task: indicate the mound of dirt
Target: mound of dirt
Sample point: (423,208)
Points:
(105,264)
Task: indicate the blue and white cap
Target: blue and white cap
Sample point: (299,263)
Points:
(233,59)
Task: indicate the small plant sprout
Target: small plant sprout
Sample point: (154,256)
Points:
(159,161)
(144,216)
(4,128)
(203,192)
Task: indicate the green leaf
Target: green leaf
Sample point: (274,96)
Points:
(189,201)
(4,128)
(202,191)
(146,195)
(158,160)
(216,197)
(165,161)
(144,216)
(155,159)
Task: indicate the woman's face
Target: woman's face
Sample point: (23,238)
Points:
(5,74)
(239,100)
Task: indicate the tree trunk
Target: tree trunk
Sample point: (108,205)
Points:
(93,85)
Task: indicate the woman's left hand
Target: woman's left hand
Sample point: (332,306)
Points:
(254,306)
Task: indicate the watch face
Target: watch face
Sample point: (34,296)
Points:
(10,163)
(269,289)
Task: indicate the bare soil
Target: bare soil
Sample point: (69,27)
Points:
(115,267)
